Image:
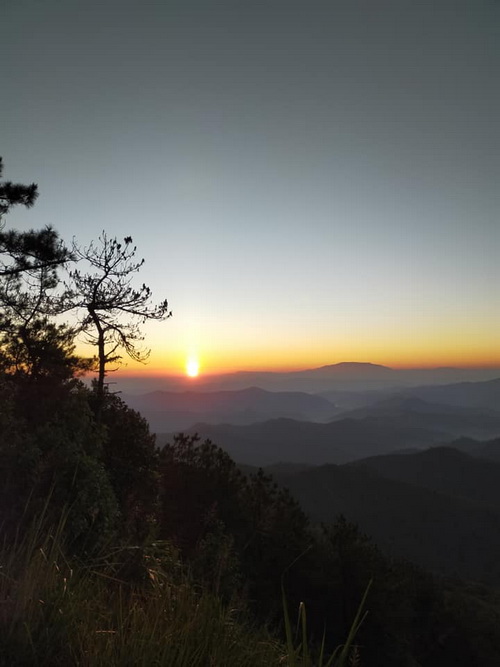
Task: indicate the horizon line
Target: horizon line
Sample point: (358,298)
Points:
(297,369)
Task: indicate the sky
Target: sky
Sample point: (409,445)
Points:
(308,182)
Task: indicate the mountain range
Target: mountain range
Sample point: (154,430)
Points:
(439,508)
(367,444)
(345,376)
(414,412)
(398,423)
(171,411)
(427,414)
(289,440)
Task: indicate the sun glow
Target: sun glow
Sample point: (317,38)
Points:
(192,368)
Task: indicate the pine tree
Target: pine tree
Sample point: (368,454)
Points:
(111,308)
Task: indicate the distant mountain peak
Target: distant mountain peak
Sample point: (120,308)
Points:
(355,365)
(354,370)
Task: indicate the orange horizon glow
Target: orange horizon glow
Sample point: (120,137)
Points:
(279,357)
(171,357)
(180,369)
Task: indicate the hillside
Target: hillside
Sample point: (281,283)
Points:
(445,533)
(306,442)
(484,395)
(443,470)
(414,412)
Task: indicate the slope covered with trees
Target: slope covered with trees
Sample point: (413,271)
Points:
(114,552)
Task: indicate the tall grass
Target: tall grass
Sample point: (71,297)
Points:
(58,611)
(300,655)
(131,607)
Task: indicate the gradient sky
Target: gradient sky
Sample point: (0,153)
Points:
(309,182)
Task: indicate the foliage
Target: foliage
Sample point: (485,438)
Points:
(198,481)
(51,449)
(30,343)
(58,611)
(201,486)
(31,251)
(41,351)
(130,456)
(12,194)
(278,534)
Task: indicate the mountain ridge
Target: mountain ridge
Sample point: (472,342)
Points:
(296,441)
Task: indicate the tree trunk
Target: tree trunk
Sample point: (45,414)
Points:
(102,364)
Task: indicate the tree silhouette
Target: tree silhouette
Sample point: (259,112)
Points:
(21,252)
(29,343)
(12,194)
(112,309)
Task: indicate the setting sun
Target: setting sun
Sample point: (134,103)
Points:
(192,368)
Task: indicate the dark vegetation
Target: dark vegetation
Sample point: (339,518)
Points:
(414,506)
(116,552)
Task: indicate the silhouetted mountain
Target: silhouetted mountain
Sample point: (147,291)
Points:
(490,450)
(444,470)
(170,411)
(486,449)
(449,534)
(343,377)
(485,395)
(349,376)
(412,411)
(292,441)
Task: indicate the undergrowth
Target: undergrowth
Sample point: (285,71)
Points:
(127,606)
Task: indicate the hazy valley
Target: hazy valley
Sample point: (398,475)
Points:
(415,466)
